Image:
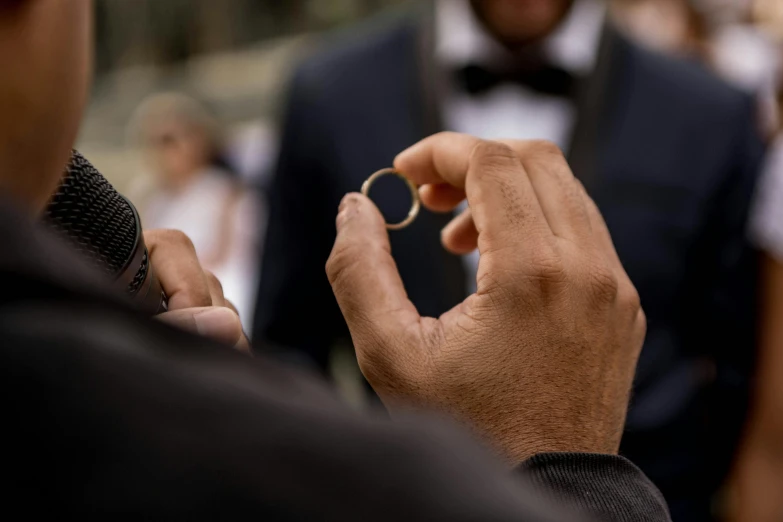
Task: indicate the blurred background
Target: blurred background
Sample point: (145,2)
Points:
(236,55)
(233,55)
(220,67)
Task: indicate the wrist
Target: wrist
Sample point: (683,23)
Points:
(521,441)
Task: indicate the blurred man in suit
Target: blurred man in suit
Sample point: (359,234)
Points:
(669,153)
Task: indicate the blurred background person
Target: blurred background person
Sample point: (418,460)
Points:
(193,191)
(743,42)
(232,55)
(669,152)
(738,39)
(758,478)
(670,26)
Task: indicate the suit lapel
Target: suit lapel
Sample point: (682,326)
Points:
(430,75)
(451,274)
(594,105)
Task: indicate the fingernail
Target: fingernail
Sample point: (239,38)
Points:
(348,201)
(347,209)
(215,322)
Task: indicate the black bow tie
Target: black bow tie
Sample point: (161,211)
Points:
(476,80)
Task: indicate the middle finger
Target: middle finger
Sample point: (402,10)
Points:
(215,289)
(556,188)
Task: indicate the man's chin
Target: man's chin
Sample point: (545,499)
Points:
(518,22)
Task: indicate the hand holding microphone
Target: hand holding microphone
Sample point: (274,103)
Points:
(158,269)
(106,228)
(195,296)
(541,358)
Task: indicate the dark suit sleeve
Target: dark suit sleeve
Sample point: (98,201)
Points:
(293,289)
(112,417)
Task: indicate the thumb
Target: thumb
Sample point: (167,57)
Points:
(364,277)
(216,322)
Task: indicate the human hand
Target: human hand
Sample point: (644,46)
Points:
(541,358)
(195,296)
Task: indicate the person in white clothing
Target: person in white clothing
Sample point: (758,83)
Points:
(194,193)
(758,475)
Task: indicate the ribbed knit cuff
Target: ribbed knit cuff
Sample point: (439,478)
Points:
(604,487)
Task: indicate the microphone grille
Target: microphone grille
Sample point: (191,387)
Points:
(98,220)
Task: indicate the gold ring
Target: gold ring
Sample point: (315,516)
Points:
(416,205)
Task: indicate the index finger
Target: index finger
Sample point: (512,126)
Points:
(367,285)
(504,205)
(441,158)
(177,266)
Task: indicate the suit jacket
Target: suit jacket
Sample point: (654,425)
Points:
(669,153)
(110,415)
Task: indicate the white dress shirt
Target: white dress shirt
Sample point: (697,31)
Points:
(512,111)
(766,221)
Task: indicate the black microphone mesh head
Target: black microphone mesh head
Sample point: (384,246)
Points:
(98,220)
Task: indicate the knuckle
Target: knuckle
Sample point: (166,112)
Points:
(213,280)
(348,255)
(200,296)
(340,264)
(176,237)
(545,148)
(491,282)
(630,300)
(550,277)
(547,264)
(195,298)
(542,276)
(603,284)
(335,265)
(641,325)
(491,154)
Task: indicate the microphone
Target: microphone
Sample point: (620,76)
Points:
(105,227)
